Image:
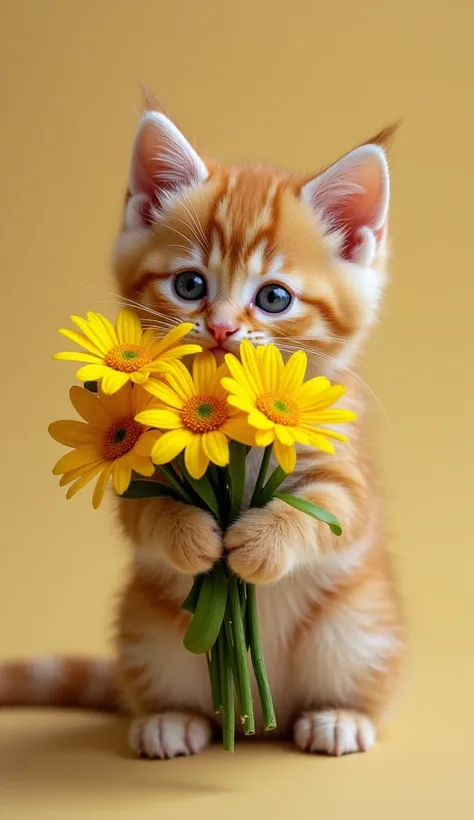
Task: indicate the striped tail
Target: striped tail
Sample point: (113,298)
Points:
(80,683)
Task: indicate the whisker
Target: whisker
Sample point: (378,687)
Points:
(124,300)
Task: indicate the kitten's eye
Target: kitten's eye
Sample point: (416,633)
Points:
(273,299)
(190,285)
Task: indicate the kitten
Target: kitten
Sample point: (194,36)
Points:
(253,253)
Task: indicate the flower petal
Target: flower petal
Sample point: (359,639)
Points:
(240,403)
(204,369)
(335,416)
(91,372)
(163,392)
(128,326)
(264,437)
(170,445)
(81,340)
(103,328)
(170,338)
(121,474)
(237,429)
(113,380)
(311,390)
(72,475)
(216,447)
(143,466)
(286,456)
(323,431)
(284,435)
(321,442)
(89,407)
(97,339)
(84,479)
(82,457)
(139,376)
(195,458)
(251,366)
(258,420)
(72,433)
(234,388)
(175,353)
(162,419)
(140,400)
(179,378)
(272,368)
(299,435)
(240,376)
(101,485)
(71,356)
(294,373)
(146,442)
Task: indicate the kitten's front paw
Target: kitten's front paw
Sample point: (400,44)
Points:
(334,732)
(260,543)
(171,734)
(191,538)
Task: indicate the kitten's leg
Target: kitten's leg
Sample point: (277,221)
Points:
(350,656)
(163,685)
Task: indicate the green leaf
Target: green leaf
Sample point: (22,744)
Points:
(190,602)
(269,490)
(144,488)
(203,487)
(209,613)
(311,509)
(237,477)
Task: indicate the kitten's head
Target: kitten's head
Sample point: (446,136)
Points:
(253,253)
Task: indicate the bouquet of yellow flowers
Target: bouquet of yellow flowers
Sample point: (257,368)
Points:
(153,427)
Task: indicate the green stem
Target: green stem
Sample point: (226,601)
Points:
(277,477)
(269,719)
(174,481)
(214,674)
(229,634)
(247,715)
(267,454)
(227,691)
(236,475)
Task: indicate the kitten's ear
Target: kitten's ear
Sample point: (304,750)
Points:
(163,161)
(352,198)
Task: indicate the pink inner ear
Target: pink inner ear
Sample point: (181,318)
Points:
(162,161)
(353,196)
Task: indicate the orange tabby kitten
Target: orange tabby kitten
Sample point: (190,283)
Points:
(253,253)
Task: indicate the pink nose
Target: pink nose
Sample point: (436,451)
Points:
(221,332)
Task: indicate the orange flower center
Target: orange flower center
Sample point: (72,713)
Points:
(128,358)
(121,438)
(279,408)
(204,413)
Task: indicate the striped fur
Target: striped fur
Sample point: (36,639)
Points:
(329,612)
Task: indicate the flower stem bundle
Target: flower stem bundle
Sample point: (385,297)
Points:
(155,428)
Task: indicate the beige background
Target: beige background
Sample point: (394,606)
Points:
(295,83)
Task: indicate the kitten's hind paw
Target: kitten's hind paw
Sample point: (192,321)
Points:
(334,732)
(168,735)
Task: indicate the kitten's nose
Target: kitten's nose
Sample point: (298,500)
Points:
(221,331)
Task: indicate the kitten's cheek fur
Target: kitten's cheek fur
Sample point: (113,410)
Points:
(266,544)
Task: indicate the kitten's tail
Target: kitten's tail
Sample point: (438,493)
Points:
(75,682)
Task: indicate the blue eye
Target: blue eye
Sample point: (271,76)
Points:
(273,299)
(190,285)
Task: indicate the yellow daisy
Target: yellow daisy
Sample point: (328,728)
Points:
(283,410)
(108,443)
(197,416)
(122,353)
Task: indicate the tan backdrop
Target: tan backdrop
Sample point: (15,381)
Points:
(294,83)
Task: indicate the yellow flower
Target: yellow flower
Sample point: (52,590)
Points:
(109,442)
(197,416)
(122,353)
(283,410)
